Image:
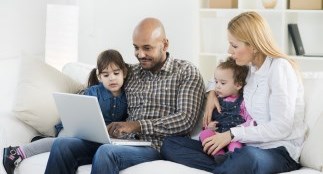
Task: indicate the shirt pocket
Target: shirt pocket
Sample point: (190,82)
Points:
(164,93)
(134,97)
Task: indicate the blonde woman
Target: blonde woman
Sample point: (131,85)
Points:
(273,97)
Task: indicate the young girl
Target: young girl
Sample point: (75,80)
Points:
(106,83)
(229,81)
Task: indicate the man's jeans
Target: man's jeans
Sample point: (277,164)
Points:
(247,160)
(69,153)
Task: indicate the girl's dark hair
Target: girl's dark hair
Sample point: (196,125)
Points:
(104,60)
(239,72)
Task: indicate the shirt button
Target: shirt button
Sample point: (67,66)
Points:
(114,106)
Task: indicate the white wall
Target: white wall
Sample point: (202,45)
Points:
(22,28)
(103,24)
(109,24)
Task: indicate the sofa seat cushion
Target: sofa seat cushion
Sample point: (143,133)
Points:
(161,167)
(304,170)
(37,165)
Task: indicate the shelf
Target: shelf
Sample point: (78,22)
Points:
(213,31)
(205,54)
(230,10)
(305,11)
(220,55)
(307,58)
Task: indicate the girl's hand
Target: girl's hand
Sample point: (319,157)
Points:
(216,142)
(211,103)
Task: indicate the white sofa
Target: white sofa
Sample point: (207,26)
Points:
(15,132)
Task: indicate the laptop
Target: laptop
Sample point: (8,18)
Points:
(297,42)
(82,118)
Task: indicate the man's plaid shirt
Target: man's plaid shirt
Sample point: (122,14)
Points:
(167,102)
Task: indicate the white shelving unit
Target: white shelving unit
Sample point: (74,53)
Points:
(213,32)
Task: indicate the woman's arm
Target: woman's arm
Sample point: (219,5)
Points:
(216,142)
(283,85)
(277,120)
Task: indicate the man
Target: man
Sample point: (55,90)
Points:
(165,97)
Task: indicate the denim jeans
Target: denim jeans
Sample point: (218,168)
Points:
(69,153)
(248,159)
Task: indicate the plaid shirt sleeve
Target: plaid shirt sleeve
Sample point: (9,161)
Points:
(189,100)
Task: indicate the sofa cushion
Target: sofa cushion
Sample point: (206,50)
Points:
(313,85)
(34,103)
(37,164)
(161,167)
(312,155)
(78,71)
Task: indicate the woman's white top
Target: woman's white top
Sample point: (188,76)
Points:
(273,97)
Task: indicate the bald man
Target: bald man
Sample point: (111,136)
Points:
(165,97)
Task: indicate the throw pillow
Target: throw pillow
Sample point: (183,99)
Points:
(312,153)
(34,103)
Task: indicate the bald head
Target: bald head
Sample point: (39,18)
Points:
(150,43)
(150,27)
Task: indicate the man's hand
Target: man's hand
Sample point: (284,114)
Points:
(216,142)
(120,129)
(211,103)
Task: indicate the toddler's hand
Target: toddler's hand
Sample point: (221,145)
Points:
(212,103)
(212,125)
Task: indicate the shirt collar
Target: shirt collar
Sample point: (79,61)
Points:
(263,70)
(167,67)
(106,94)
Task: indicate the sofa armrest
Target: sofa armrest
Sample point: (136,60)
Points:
(13,132)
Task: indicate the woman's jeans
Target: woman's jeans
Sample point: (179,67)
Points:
(246,160)
(69,153)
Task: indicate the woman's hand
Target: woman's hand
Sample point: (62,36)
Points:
(216,142)
(211,103)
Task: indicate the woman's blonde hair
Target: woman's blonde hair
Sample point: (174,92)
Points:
(253,30)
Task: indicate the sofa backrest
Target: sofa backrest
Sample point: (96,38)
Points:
(9,70)
(78,71)
(313,90)
(312,152)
